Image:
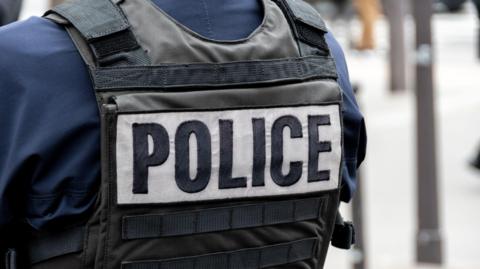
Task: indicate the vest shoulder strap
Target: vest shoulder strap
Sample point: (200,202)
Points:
(307,25)
(105,29)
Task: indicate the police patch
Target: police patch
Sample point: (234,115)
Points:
(171,157)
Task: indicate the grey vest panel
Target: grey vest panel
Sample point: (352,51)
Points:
(156,29)
(156,93)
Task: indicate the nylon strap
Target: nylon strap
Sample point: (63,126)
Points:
(343,236)
(105,28)
(56,244)
(252,258)
(307,26)
(93,18)
(221,219)
(212,74)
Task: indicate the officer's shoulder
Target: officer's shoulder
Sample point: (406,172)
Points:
(31,42)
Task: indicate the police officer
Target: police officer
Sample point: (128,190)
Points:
(50,162)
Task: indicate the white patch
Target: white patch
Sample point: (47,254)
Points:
(162,187)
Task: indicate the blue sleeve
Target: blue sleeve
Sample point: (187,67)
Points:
(354,134)
(49,135)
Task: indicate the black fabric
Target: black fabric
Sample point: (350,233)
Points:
(114,43)
(295,172)
(105,29)
(56,244)
(93,18)
(311,36)
(316,147)
(476,161)
(253,258)
(142,159)
(307,26)
(259,152)
(226,181)
(343,236)
(305,13)
(182,156)
(220,219)
(213,74)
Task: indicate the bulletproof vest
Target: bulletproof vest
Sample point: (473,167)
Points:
(215,154)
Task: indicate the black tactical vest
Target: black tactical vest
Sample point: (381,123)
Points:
(215,154)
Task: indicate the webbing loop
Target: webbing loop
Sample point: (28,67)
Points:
(251,258)
(212,74)
(221,219)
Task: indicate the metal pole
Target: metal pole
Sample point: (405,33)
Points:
(55,2)
(395,10)
(429,237)
(360,258)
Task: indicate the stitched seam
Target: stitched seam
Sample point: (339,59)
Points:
(57,195)
(207,18)
(109,190)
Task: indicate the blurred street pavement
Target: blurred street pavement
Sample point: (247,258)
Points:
(389,171)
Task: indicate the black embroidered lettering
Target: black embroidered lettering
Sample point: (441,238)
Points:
(295,172)
(182,156)
(258,174)
(142,159)
(315,147)
(226,158)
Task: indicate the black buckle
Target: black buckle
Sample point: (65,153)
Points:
(343,235)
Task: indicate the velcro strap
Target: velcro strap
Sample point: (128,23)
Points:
(252,258)
(93,18)
(308,25)
(221,219)
(56,244)
(213,74)
(312,36)
(105,29)
(114,43)
(305,13)
(343,235)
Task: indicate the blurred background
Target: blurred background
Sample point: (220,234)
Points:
(418,205)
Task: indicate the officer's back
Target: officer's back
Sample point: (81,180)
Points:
(50,151)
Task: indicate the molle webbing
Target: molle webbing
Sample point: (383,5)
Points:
(105,29)
(226,74)
(221,219)
(263,257)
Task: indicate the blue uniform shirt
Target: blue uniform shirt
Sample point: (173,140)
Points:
(49,122)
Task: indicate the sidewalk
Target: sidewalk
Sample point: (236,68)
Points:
(389,178)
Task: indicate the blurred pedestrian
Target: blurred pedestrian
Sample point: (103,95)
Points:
(476,160)
(55,2)
(9,11)
(368,11)
(477,5)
